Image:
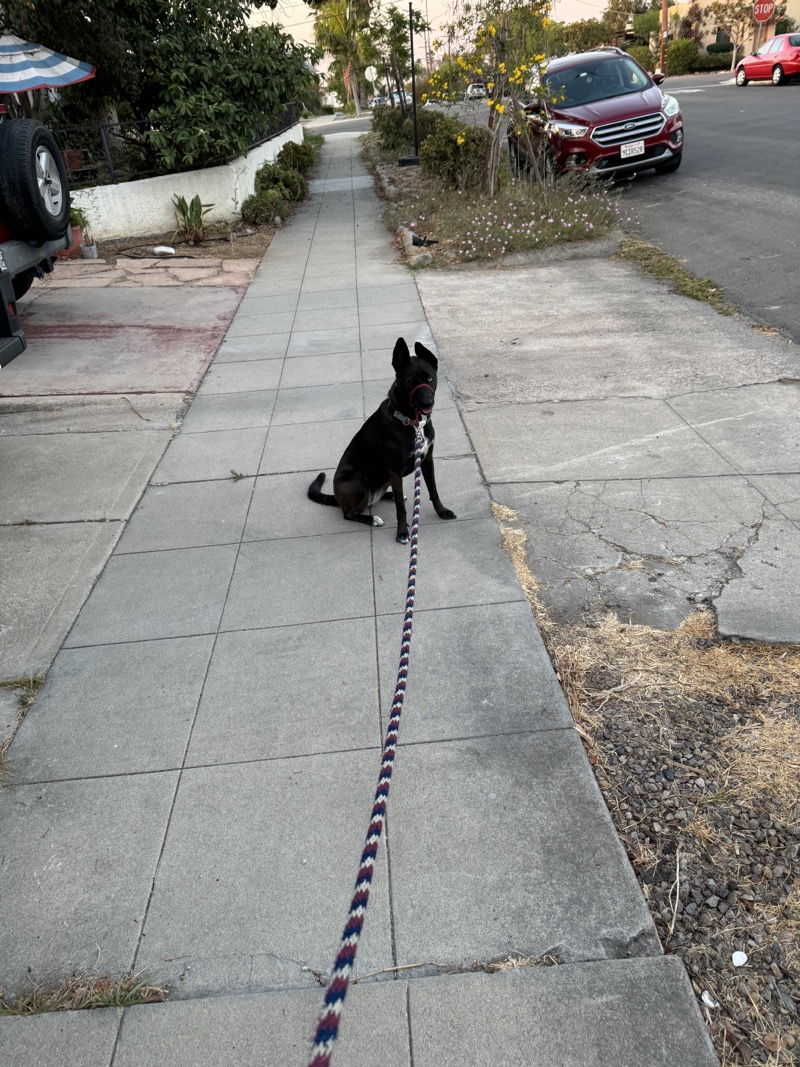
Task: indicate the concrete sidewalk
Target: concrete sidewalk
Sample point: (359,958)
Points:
(191,789)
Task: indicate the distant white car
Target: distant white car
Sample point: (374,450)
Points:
(476,91)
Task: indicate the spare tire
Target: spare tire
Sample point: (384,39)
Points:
(33,181)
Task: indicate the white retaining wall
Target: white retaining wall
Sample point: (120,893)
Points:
(145,207)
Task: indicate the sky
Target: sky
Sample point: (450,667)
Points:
(296,18)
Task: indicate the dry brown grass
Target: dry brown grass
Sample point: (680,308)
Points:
(649,677)
(26,690)
(83,991)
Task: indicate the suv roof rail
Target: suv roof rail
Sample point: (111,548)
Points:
(609,48)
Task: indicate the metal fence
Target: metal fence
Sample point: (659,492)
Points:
(105,153)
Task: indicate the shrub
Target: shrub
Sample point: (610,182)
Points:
(455,153)
(717,61)
(189,217)
(427,122)
(274,174)
(299,157)
(387,122)
(265,205)
(642,54)
(719,48)
(681,54)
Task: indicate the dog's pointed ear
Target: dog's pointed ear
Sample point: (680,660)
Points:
(401,357)
(426,354)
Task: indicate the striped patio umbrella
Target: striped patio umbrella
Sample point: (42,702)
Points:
(24,66)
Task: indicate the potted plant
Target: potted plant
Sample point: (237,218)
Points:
(82,243)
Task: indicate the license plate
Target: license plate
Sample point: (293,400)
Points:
(634,148)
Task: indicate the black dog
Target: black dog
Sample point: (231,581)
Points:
(382,452)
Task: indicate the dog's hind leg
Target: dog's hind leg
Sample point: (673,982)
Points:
(368,520)
(354,499)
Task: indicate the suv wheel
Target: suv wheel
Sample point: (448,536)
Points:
(777,75)
(671,166)
(741,77)
(33,180)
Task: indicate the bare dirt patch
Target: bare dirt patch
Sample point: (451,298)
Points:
(695,744)
(239,241)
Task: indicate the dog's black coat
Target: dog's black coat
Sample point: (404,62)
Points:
(382,452)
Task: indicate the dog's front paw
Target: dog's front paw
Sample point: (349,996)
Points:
(377,521)
(402,535)
(445,513)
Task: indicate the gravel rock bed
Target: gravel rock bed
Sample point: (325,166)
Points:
(717,878)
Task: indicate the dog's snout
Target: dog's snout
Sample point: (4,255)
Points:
(422,397)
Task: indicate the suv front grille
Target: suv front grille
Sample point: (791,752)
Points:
(613,133)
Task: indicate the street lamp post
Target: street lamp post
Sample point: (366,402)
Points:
(412,161)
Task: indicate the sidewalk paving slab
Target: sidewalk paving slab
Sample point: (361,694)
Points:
(239,819)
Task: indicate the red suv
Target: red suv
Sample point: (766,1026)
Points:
(601,113)
(777,60)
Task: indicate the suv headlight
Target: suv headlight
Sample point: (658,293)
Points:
(671,106)
(567,129)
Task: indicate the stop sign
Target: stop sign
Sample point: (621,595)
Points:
(763,10)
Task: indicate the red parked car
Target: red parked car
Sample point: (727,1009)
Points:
(777,60)
(601,113)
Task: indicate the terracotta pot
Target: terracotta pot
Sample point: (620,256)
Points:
(74,250)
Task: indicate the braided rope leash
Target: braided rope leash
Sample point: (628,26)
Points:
(330,1016)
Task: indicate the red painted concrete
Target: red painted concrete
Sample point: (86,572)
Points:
(150,340)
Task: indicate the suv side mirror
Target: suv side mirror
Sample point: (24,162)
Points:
(658,77)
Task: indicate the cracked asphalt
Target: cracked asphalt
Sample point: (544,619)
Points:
(650,445)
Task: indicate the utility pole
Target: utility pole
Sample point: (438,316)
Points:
(663,59)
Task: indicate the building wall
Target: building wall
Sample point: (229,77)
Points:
(763,33)
(142,208)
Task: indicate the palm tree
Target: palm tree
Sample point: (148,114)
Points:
(339,30)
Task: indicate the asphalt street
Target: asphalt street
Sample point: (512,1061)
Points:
(730,212)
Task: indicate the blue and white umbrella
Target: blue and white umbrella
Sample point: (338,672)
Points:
(25,66)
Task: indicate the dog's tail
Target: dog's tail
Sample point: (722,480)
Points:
(319,497)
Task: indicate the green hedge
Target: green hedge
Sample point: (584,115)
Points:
(642,54)
(387,122)
(718,61)
(396,131)
(265,206)
(681,54)
(299,157)
(271,175)
(455,153)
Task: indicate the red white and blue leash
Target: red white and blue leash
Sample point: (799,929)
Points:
(330,1016)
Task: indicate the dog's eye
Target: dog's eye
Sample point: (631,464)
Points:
(430,379)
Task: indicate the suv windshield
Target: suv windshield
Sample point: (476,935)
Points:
(596,79)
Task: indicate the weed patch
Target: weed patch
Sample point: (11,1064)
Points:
(26,690)
(82,992)
(655,261)
(520,218)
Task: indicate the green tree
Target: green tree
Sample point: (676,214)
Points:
(733,17)
(489,51)
(388,34)
(219,89)
(201,82)
(340,31)
(586,34)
